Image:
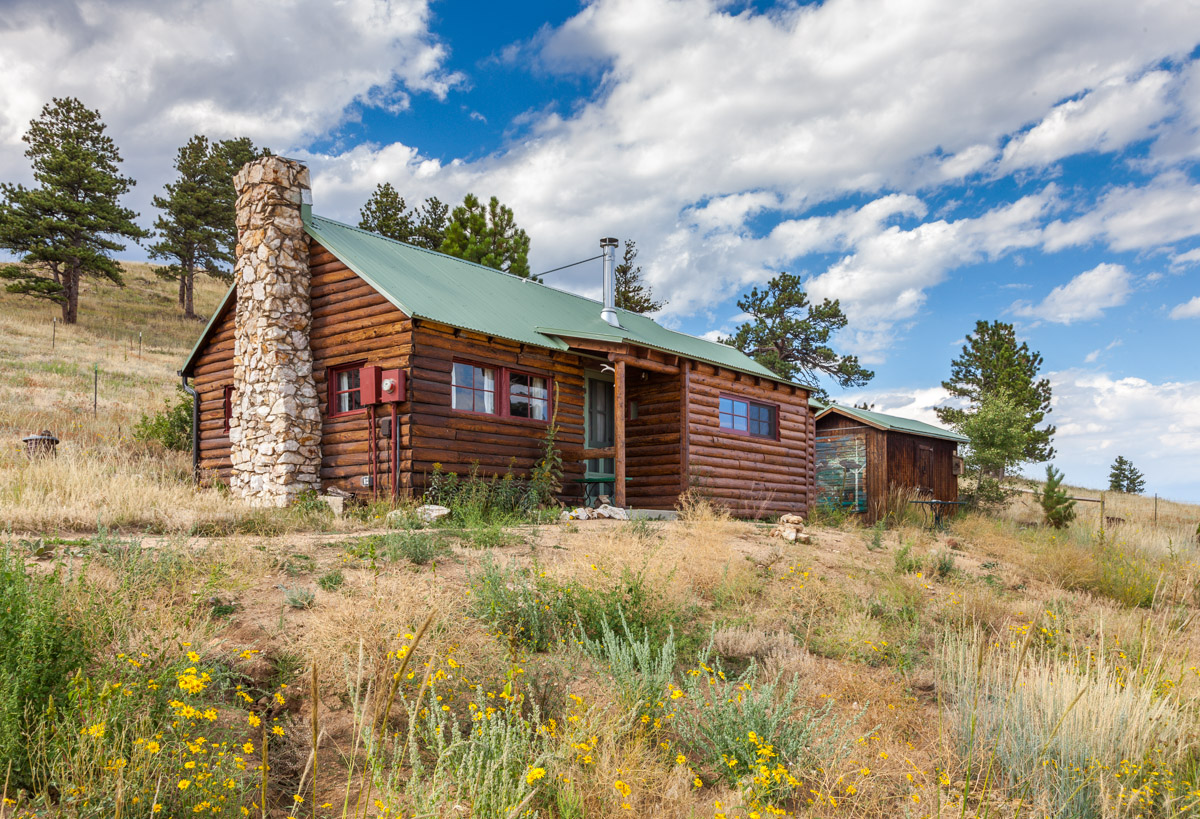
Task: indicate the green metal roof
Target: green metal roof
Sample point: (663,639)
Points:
(433,286)
(894,423)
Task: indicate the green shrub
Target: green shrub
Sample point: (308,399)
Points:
(415,545)
(331,581)
(489,761)
(491,536)
(904,562)
(475,500)
(642,673)
(1057,507)
(40,650)
(536,611)
(172,427)
(299,598)
(520,603)
(726,723)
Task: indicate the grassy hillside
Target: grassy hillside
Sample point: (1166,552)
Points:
(168,652)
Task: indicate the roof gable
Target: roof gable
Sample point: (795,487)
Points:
(893,423)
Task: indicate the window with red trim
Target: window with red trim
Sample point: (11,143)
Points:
(749,417)
(528,396)
(227,406)
(474,388)
(500,391)
(344,396)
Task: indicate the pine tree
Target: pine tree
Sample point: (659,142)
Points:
(387,214)
(790,336)
(67,227)
(1125,477)
(1057,507)
(487,236)
(632,293)
(991,360)
(431,221)
(196,230)
(998,443)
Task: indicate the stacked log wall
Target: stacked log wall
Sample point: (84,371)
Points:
(493,444)
(212,374)
(754,477)
(652,441)
(352,323)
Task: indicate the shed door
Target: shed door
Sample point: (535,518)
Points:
(925,469)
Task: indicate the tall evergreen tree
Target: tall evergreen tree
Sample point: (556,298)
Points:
(488,236)
(387,214)
(992,360)
(429,230)
(67,227)
(632,293)
(790,336)
(196,229)
(1125,477)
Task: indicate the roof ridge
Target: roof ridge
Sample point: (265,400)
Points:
(529,280)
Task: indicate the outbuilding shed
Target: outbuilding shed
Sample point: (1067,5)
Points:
(861,454)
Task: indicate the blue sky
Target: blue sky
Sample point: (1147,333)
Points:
(928,163)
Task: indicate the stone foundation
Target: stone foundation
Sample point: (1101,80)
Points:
(275,431)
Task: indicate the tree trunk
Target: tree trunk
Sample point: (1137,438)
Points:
(182,299)
(187,284)
(71,305)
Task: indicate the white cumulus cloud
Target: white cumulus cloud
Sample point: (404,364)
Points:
(1084,298)
(1189,309)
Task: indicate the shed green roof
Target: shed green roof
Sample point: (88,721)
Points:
(433,286)
(894,423)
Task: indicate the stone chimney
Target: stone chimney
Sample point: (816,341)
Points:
(275,431)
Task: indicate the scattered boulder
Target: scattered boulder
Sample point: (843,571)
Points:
(791,529)
(431,512)
(604,511)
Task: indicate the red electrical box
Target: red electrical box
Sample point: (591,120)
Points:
(392,387)
(368,386)
(380,386)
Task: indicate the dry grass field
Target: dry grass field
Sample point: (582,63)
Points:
(167,652)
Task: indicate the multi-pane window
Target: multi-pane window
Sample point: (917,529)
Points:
(500,391)
(748,417)
(474,388)
(528,397)
(344,394)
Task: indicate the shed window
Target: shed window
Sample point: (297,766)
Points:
(344,394)
(528,396)
(227,406)
(749,417)
(474,388)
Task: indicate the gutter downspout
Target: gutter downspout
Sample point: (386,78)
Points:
(195,427)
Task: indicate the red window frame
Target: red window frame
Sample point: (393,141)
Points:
(227,406)
(331,384)
(738,399)
(501,396)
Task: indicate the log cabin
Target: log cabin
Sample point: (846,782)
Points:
(340,358)
(861,454)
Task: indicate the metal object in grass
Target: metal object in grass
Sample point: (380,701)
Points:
(41,445)
(941,509)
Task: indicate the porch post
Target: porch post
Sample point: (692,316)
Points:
(619,432)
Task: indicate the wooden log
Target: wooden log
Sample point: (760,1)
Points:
(619,433)
(644,364)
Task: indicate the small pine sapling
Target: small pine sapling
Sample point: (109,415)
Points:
(1058,508)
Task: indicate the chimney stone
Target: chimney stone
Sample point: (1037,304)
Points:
(275,429)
